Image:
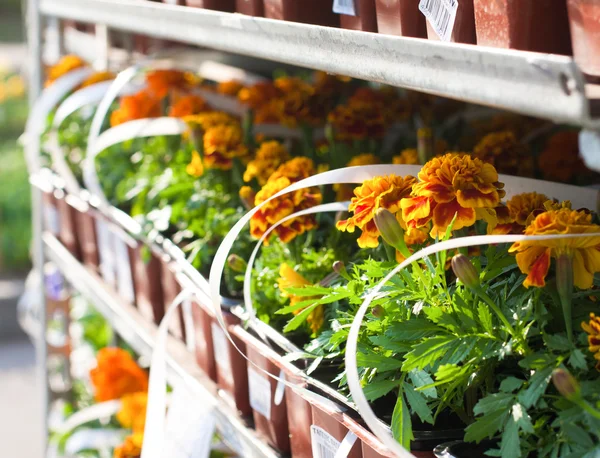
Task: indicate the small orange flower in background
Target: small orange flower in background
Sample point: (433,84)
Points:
(195,168)
(593,329)
(453,184)
(162,82)
(269,157)
(136,106)
(345,191)
(380,192)
(560,160)
(116,375)
(505,153)
(408,156)
(289,278)
(131,447)
(519,211)
(247,195)
(533,257)
(295,169)
(357,121)
(133,411)
(187,105)
(387,100)
(258,94)
(210,119)
(97,77)
(62,67)
(222,144)
(230,88)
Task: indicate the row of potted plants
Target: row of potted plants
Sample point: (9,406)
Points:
(307,283)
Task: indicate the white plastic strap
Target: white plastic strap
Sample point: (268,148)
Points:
(346,445)
(95,412)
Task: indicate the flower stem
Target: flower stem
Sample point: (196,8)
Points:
(564,285)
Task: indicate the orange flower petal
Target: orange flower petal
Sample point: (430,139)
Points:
(582,277)
(473,198)
(538,268)
(444,213)
(415,208)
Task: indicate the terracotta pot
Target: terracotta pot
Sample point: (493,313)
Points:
(365,19)
(528,25)
(148,285)
(268,409)
(219,5)
(171,288)
(68,226)
(306,11)
(205,356)
(400,17)
(299,413)
(464,25)
(584,16)
(250,7)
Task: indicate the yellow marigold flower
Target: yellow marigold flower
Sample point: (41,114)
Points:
(62,67)
(284,206)
(593,329)
(133,411)
(195,168)
(222,144)
(257,95)
(505,153)
(380,192)
(187,105)
(344,191)
(289,278)
(136,106)
(358,121)
(97,77)
(295,169)
(268,158)
(162,82)
(247,194)
(408,156)
(533,257)
(210,119)
(453,184)
(131,447)
(526,206)
(560,160)
(116,375)
(230,88)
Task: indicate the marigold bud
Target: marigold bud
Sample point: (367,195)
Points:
(465,271)
(378,311)
(565,383)
(340,268)
(236,263)
(390,229)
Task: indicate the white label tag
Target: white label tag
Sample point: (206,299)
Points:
(125,281)
(107,264)
(190,425)
(220,348)
(260,393)
(344,7)
(52,219)
(441,14)
(324,445)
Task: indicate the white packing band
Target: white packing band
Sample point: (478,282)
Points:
(346,445)
(49,98)
(92,413)
(222,102)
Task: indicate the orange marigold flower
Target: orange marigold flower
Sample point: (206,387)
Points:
(62,67)
(533,257)
(136,106)
(380,192)
(116,375)
(187,105)
(387,100)
(357,121)
(289,278)
(560,160)
(268,158)
(505,153)
(230,88)
(344,191)
(222,144)
(162,82)
(295,169)
(195,168)
(283,206)
(519,211)
(97,77)
(131,447)
(453,184)
(210,119)
(133,411)
(408,156)
(593,329)
(257,95)
(247,194)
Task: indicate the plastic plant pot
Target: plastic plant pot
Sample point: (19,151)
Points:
(170,289)
(267,398)
(528,25)
(205,356)
(68,225)
(86,233)
(464,25)
(584,17)
(307,11)
(250,7)
(365,19)
(401,18)
(218,5)
(51,217)
(148,285)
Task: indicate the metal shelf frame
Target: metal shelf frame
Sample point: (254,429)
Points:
(545,86)
(141,336)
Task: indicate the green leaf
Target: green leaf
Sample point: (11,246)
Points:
(557,342)
(485,318)
(401,423)
(420,378)
(428,352)
(448,372)
(486,426)
(295,322)
(412,330)
(309,290)
(510,446)
(577,360)
(578,435)
(375,390)
(510,384)
(522,418)
(417,403)
(537,387)
(377,361)
(493,402)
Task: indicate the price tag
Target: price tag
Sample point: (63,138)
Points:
(123,265)
(441,14)
(344,7)
(52,219)
(220,348)
(190,425)
(260,393)
(324,445)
